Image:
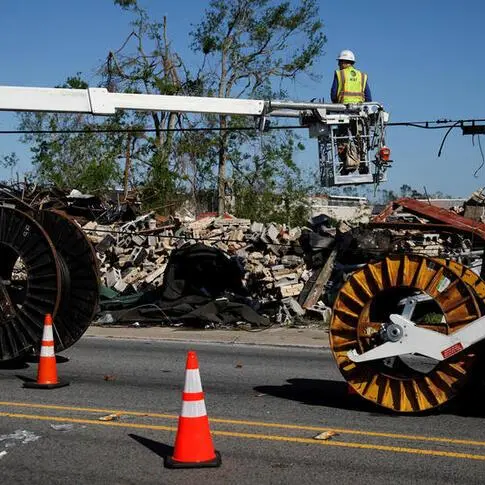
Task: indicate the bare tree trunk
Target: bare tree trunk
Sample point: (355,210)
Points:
(127,167)
(221,178)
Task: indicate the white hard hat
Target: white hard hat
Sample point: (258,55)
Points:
(346,55)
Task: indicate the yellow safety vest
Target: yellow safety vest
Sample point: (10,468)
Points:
(351,85)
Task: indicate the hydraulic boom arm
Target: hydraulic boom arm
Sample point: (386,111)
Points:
(360,127)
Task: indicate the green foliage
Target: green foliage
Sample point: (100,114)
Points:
(126,4)
(432,318)
(267,184)
(251,42)
(145,63)
(10,160)
(407,191)
(247,47)
(86,161)
(284,204)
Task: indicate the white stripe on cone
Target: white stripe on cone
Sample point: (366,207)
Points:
(192,381)
(47,351)
(48,335)
(193,409)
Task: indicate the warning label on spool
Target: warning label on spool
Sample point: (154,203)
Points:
(454,349)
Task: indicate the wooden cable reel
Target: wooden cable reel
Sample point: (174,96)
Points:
(367,299)
(47,265)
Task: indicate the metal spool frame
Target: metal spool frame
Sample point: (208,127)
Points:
(396,385)
(58,275)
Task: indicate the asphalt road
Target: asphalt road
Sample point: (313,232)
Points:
(265,407)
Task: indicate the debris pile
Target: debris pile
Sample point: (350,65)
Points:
(409,225)
(133,256)
(114,206)
(297,270)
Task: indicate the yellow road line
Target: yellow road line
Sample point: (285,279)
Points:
(289,439)
(253,423)
(89,410)
(261,424)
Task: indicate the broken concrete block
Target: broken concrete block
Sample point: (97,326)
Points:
(124,260)
(293,306)
(256,256)
(286,274)
(223,222)
(125,242)
(138,240)
(256,228)
(278,267)
(275,249)
(201,223)
(222,246)
(291,290)
(119,251)
(105,243)
(236,235)
(138,255)
(291,260)
(91,225)
(294,234)
(111,277)
(285,281)
(155,274)
(120,286)
(272,232)
(242,253)
(130,275)
(167,243)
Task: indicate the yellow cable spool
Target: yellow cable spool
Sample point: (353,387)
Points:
(364,303)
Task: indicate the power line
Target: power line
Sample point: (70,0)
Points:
(141,130)
(427,125)
(436,124)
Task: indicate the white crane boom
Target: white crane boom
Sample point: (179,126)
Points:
(99,101)
(359,128)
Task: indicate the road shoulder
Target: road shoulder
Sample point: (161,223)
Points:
(274,336)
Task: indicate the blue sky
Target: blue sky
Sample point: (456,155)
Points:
(423,59)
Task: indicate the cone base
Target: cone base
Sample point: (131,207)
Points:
(36,385)
(169,462)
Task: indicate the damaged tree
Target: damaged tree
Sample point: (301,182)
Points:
(145,63)
(250,44)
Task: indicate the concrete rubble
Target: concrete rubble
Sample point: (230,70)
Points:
(299,268)
(133,256)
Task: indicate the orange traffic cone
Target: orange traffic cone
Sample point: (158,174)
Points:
(47,372)
(193,443)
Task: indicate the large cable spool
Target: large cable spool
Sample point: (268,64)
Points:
(47,265)
(369,296)
(31,282)
(80,289)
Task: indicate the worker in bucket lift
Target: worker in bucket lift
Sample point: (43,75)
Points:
(349,86)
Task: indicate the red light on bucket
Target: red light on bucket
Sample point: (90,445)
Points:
(384,153)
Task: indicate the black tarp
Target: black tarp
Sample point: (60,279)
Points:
(203,285)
